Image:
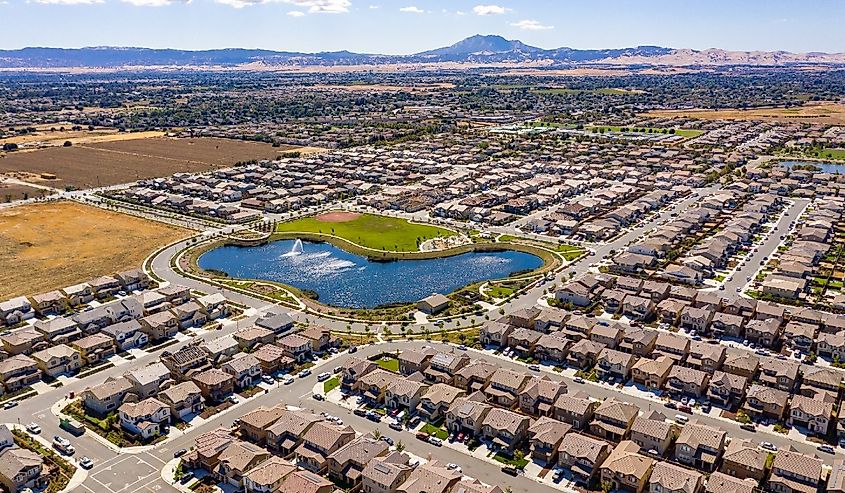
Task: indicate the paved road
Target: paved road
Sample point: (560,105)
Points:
(768,247)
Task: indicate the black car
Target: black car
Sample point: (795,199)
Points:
(180,453)
(509,470)
(360,412)
(353,349)
(387,440)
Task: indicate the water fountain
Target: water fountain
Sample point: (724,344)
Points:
(297,247)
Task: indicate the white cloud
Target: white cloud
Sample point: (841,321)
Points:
(412,10)
(490,10)
(373,7)
(311,6)
(67,2)
(460,12)
(296,13)
(531,25)
(323,6)
(154,3)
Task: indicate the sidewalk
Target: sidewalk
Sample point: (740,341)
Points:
(78,477)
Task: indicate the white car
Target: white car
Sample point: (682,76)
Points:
(322,377)
(287,379)
(33,428)
(768,446)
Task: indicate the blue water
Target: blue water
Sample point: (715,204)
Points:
(347,280)
(826,167)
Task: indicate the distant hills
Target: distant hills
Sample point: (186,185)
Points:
(478,49)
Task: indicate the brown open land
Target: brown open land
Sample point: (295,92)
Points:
(823,113)
(111,163)
(45,137)
(16,191)
(337,217)
(54,245)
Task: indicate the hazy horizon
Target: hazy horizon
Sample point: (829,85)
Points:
(411,26)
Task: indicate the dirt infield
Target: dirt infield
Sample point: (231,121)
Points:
(54,245)
(337,217)
(111,163)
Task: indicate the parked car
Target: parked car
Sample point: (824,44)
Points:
(534,367)
(353,349)
(510,470)
(180,453)
(748,427)
(685,409)
(578,380)
(771,447)
(86,463)
(287,379)
(10,404)
(318,397)
(387,440)
(322,377)
(33,428)
(435,441)
(267,379)
(304,373)
(360,412)
(395,425)
(422,436)
(233,399)
(826,449)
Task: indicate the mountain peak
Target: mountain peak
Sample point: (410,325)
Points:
(482,44)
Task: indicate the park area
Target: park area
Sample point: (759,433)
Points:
(367,230)
(54,245)
(122,161)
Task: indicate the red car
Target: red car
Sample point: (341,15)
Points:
(460,437)
(685,408)
(422,436)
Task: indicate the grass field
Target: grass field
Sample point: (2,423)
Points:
(122,161)
(51,246)
(371,231)
(330,385)
(824,113)
(390,364)
(433,430)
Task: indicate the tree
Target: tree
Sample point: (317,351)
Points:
(400,446)
(376,434)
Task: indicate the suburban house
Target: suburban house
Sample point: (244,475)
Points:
(613,419)
(793,472)
(58,360)
(321,440)
(583,455)
(626,469)
(145,418)
(215,384)
(700,446)
(183,398)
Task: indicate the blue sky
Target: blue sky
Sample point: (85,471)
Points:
(409,26)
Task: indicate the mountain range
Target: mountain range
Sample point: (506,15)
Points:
(478,49)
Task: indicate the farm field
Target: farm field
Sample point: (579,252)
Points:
(367,230)
(54,245)
(823,113)
(14,191)
(53,136)
(115,162)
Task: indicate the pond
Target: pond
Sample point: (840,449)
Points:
(348,280)
(824,166)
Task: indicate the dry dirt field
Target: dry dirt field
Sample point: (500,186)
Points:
(43,137)
(111,163)
(823,113)
(15,191)
(337,217)
(54,245)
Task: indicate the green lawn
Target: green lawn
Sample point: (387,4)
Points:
(497,291)
(330,385)
(390,364)
(433,430)
(371,231)
(517,463)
